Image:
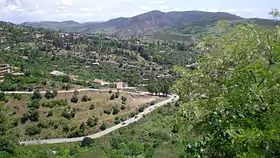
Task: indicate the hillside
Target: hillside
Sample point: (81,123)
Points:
(140,24)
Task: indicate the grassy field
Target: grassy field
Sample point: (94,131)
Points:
(54,126)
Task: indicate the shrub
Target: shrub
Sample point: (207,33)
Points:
(124,99)
(123,107)
(33,115)
(85,98)
(43,124)
(132,114)
(115,110)
(91,123)
(36,95)
(34,104)
(103,126)
(76,92)
(65,128)
(74,99)
(91,107)
(66,115)
(117,95)
(50,94)
(107,111)
(87,142)
(24,118)
(33,130)
(50,114)
(112,97)
(110,91)
(141,109)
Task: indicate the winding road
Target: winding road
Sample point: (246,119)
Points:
(170,98)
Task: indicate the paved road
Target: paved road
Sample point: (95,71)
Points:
(171,98)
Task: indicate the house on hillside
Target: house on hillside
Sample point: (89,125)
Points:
(102,83)
(57,73)
(4,68)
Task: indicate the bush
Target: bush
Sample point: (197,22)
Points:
(50,114)
(85,98)
(132,114)
(16,96)
(74,99)
(66,115)
(112,97)
(124,99)
(36,95)
(87,142)
(117,95)
(24,118)
(33,115)
(141,109)
(66,128)
(76,92)
(43,124)
(115,110)
(91,107)
(33,130)
(50,94)
(110,91)
(103,126)
(91,122)
(123,107)
(107,111)
(34,104)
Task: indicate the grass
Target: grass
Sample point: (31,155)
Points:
(100,101)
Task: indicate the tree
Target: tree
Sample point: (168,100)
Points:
(33,130)
(85,98)
(115,110)
(49,94)
(7,144)
(87,142)
(2,96)
(103,126)
(36,95)
(91,122)
(74,99)
(112,97)
(123,98)
(230,99)
(33,115)
(34,104)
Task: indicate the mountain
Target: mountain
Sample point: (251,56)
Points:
(138,24)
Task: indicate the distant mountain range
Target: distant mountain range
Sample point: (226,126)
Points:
(146,23)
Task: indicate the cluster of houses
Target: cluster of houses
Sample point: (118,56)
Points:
(7,69)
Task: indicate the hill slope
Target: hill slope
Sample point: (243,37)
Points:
(140,24)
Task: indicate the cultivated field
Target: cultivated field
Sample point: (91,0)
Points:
(68,119)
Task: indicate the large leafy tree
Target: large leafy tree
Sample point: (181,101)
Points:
(231,102)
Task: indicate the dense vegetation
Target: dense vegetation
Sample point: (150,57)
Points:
(229,106)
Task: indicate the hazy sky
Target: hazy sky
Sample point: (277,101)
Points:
(18,11)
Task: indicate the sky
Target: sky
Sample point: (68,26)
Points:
(18,11)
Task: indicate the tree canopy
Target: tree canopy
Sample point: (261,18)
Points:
(232,100)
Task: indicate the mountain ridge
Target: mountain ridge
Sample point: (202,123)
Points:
(142,24)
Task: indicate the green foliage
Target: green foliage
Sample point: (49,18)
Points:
(55,103)
(2,96)
(85,98)
(141,109)
(7,144)
(103,126)
(108,111)
(112,97)
(231,100)
(123,98)
(92,106)
(92,122)
(34,104)
(87,142)
(36,95)
(116,110)
(123,107)
(50,94)
(33,130)
(74,99)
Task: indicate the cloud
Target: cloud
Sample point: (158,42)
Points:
(158,2)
